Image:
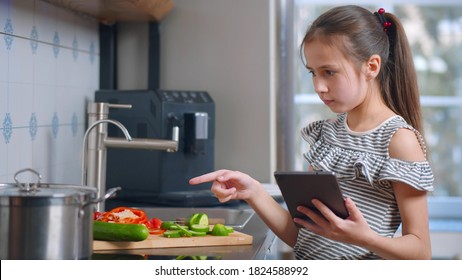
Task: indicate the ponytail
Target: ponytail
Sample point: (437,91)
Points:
(399,79)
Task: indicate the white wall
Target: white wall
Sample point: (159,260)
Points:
(222,47)
(49,68)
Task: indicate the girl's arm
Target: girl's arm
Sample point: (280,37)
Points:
(229,185)
(415,240)
(275,217)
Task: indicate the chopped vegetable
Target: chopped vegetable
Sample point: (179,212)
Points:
(119,232)
(172,234)
(127,215)
(124,215)
(167,224)
(200,228)
(220,230)
(198,219)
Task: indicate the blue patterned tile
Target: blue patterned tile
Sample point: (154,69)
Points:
(33,126)
(75,48)
(34,39)
(56,42)
(55,125)
(8,29)
(7,128)
(92,53)
(74,124)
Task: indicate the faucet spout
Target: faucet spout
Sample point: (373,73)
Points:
(144,143)
(95,143)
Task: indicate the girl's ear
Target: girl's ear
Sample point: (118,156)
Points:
(373,66)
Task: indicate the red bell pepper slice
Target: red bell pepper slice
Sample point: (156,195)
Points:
(154,226)
(124,215)
(127,215)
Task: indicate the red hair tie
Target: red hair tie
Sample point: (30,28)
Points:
(385,23)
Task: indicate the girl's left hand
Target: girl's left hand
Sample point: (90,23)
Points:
(353,230)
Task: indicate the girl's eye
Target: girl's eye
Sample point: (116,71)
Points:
(330,73)
(312,73)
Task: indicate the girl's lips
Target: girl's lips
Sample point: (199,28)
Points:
(327,102)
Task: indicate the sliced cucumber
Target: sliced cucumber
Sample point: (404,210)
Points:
(172,234)
(183,231)
(198,233)
(200,228)
(177,227)
(167,224)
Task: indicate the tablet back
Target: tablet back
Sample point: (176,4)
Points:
(300,187)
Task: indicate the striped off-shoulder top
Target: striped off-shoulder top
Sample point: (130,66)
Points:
(364,169)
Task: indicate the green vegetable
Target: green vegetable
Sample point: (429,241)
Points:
(167,224)
(172,234)
(177,226)
(200,228)
(183,231)
(197,219)
(119,232)
(220,230)
(229,229)
(198,233)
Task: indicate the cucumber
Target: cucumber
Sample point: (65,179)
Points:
(119,232)
(198,233)
(177,226)
(183,231)
(200,228)
(167,224)
(172,234)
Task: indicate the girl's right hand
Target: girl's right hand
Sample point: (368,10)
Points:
(228,185)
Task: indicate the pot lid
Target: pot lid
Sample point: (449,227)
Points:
(44,190)
(13,193)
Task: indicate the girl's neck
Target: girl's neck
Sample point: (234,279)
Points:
(370,114)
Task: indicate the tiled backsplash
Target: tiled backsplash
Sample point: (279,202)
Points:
(49,69)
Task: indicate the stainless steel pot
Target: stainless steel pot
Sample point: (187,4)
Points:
(47,221)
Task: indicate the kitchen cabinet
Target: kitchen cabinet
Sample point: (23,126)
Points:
(110,11)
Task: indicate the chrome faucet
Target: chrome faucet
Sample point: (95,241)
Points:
(95,144)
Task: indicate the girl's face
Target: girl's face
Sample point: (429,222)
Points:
(339,84)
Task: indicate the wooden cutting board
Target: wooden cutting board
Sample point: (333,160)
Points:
(158,241)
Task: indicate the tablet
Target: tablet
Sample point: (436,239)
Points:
(300,187)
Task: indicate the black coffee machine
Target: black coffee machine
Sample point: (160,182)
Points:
(160,177)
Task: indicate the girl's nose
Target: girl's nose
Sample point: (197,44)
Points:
(319,86)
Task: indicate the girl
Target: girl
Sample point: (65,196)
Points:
(362,70)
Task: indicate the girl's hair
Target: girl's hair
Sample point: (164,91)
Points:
(359,34)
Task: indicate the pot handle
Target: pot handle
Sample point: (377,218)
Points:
(109,193)
(27,187)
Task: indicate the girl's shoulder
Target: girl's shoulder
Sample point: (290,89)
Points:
(407,144)
(312,131)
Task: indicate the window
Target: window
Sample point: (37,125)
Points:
(435,34)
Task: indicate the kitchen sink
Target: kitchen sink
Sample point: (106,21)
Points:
(236,218)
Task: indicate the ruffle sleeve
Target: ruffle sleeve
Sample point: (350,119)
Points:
(418,175)
(377,170)
(312,131)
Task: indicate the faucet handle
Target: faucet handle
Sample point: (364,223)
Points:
(119,106)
